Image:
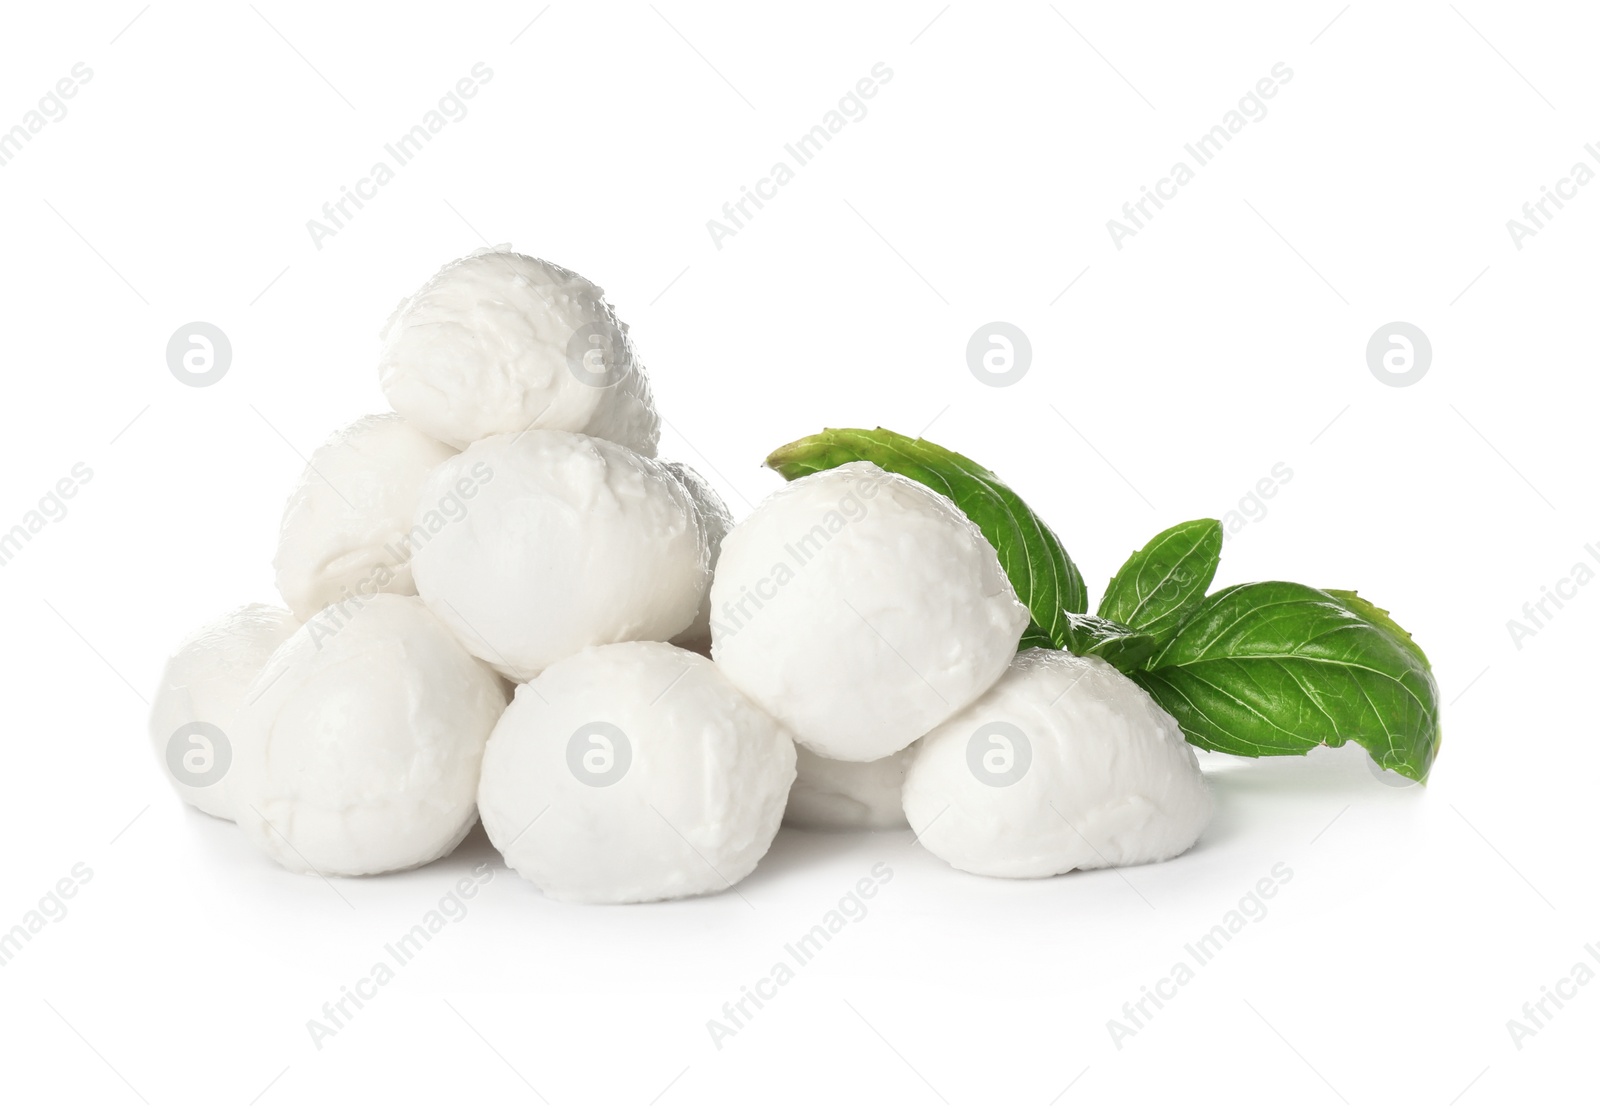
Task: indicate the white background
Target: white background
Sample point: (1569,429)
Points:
(1226,337)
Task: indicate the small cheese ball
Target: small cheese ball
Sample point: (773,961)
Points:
(835,794)
(361,741)
(501,342)
(634,773)
(1064,764)
(574,542)
(192,719)
(716,520)
(861,608)
(347,529)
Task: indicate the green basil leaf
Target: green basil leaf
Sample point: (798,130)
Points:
(1035,637)
(1276,668)
(1038,566)
(1123,647)
(1165,580)
(1381,618)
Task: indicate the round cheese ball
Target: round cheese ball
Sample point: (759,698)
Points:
(361,741)
(836,794)
(347,529)
(861,608)
(1065,763)
(192,719)
(574,542)
(716,520)
(501,342)
(632,773)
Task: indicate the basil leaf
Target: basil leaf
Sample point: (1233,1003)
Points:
(1123,647)
(1381,618)
(1165,580)
(1035,637)
(1276,668)
(1038,566)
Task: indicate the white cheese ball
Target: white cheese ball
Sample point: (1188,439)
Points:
(716,520)
(346,530)
(575,542)
(501,342)
(836,794)
(1065,763)
(861,608)
(361,742)
(633,773)
(192,719)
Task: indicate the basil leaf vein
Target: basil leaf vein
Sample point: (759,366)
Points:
(1165,580)
(1271,668)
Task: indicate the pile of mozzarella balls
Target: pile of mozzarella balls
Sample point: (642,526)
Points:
(499,603)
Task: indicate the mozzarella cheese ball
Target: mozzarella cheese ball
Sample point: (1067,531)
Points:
(632,773)
(192,720)
(861,608)
(575,542)
(361,741)
(1065,763)
(836,794)
(346,531)
(716,520)
(500,342)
